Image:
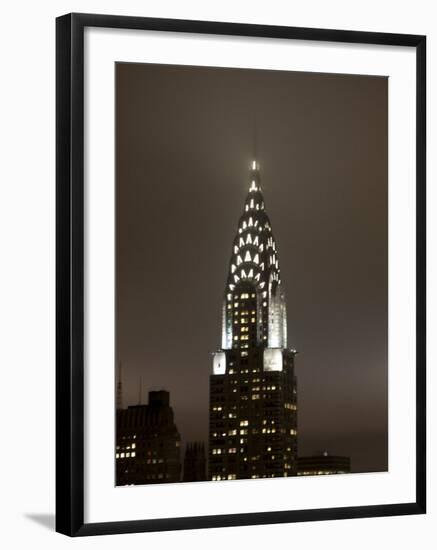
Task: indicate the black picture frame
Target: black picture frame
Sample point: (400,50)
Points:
(70,273)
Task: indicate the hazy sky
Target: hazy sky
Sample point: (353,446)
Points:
(184,142)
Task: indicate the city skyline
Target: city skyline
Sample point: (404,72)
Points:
(337,319)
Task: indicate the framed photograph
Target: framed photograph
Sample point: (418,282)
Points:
(240,274)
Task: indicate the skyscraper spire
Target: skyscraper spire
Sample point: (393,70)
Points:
(254,265)
(255,139)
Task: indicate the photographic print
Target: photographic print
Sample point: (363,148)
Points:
(251,274)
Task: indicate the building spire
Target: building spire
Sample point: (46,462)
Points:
(119,387)
(254,270)
(255,140)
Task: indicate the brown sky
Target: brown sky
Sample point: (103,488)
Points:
(184,141)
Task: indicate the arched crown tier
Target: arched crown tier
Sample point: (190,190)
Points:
(254,282)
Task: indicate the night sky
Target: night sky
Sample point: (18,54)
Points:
(184,141)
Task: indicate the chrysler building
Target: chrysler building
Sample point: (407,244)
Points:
(253,401)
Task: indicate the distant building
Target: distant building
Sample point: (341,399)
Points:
(148,443)
(323,464)
(195,462)
(253,400)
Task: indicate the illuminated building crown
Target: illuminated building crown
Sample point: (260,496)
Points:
(253,295)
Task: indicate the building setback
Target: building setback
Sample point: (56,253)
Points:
(253,401)
(148,443)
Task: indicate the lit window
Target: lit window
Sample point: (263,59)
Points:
(244,422)
(239,260)
(247,257)
(256,259)
(232,450)
(133,455)
(249,239)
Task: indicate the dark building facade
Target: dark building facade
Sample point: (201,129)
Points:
(253,401)
(148,443)
(194,462)
(323,464)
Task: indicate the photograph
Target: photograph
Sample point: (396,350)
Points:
(251,274)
